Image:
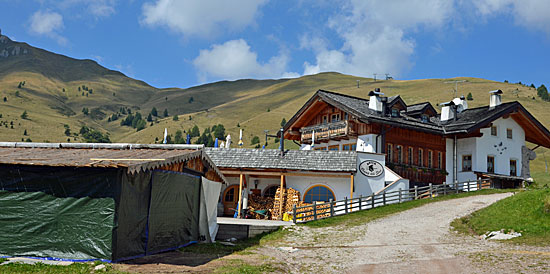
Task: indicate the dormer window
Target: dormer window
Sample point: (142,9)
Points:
(424,118)
(394,112)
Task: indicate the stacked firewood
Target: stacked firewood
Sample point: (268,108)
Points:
(291,197)
(258,203)
(323,210)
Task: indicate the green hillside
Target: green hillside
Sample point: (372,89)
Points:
(52,99)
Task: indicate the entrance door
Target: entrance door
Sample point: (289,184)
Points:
(230,200)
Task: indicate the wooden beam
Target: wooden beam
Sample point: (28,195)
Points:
(228,173)
(240,196)
(281,197)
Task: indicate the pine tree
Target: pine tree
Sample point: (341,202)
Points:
(165,112)
(149,118)
(154,112)
(24,115)
(175,118)
(283,122)
(469,97)
(25,132)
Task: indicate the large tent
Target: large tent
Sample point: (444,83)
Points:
(110,202)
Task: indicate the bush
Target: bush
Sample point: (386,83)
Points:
(255,140)
(24,115)
(175,118)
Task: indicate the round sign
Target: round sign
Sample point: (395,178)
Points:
(371,168)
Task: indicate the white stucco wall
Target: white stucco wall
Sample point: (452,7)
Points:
(502,148)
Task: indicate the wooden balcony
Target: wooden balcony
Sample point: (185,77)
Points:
(331,131)
(419,174)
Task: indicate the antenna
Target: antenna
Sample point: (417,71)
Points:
(455,91)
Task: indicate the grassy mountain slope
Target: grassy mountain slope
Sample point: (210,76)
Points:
(254,105)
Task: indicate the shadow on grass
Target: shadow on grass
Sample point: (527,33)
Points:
(200,254)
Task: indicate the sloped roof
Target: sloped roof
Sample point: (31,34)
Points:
(303,160)
(134,157)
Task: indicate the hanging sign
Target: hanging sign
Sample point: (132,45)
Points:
(371,168)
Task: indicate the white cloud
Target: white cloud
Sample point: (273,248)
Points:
(98,8)
(201,17)
(374,35)
(528,13)
(49,24)
(235,60)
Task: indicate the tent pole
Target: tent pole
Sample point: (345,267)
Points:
(240,195)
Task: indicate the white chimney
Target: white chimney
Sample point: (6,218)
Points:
(461,103)
(447,112)
(495,98)
(375,102)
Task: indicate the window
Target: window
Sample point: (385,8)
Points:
(335,117)
(399,154)
(389,153)
(346,147)
(394,112)
(513,168)
(346,116)
(509,133)
(320,148)
(466,162)
(230,195)
(410,156)
(333,148)
(353,147)
(424,118)
(420,157)
(325,119)
(318,193)
(490,164)
(430,159)
(270,191)
(439,159)
(493,130)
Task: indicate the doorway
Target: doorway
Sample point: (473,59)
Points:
(230,200)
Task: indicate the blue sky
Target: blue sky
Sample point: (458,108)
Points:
(171,43)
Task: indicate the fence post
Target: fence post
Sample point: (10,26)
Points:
(315,210)
(431,191)
(346,204)
(416,192)
(445,189)
(468,185)
(400,195)
(360,201)
(294,213)
(372,200)
(479,185)
(331,208)
(384,198)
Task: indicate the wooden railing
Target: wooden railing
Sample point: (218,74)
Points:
(329,209)
(419,174)
(328,131)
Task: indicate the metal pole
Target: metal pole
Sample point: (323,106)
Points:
(346,204)
(331,208)
(416,192)
(468,185)
(456,187)
(384,197)
(455,160)
(431,191)
(360,201)
(372,200)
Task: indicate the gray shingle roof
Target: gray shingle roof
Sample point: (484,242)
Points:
(304,160)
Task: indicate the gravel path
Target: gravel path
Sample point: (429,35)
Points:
(418,240)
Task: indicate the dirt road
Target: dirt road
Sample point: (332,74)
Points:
(414,241)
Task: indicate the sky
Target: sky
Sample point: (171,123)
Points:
(183,43)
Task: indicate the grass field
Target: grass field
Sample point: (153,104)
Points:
(524,212)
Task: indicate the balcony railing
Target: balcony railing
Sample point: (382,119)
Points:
(419,174)
(328,131)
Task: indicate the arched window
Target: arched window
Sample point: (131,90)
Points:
(318,193)
(270,191)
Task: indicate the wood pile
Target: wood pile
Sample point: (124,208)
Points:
(291,197)
(257,203)
(323,211)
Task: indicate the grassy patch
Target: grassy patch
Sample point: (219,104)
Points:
(239,266)
(523,212)
(361,217)
(55,269)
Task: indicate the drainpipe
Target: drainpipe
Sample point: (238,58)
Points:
(455,160)
(282,142)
